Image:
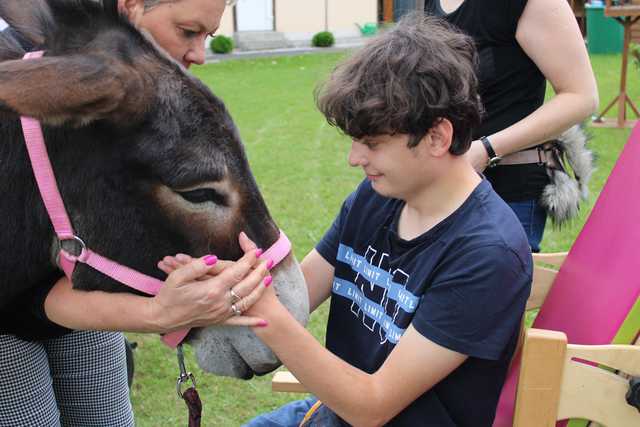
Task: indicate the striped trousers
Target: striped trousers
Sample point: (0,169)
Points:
(79,379)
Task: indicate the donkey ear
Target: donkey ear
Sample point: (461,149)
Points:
(74,89)
(30,18)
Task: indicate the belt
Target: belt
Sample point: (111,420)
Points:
(542,155)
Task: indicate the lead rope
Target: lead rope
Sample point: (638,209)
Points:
(190,395)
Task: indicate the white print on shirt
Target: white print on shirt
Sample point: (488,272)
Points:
(377,294)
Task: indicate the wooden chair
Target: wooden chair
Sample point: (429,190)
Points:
(553,385)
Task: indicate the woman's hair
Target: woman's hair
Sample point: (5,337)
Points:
(148,4)
(404,81)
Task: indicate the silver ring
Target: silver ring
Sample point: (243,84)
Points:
(235,310)
(234,297)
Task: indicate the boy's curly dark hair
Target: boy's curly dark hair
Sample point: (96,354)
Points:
(404,81)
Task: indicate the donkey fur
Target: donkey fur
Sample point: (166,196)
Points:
(129,133)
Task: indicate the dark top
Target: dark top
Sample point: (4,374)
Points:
(26,318)
(463,285)
(511,85)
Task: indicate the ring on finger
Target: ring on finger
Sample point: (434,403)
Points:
(235,310)
(234,297)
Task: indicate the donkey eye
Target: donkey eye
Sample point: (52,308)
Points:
(203,195)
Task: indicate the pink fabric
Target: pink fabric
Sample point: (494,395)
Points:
(279,250)
(598,283)
(45,177)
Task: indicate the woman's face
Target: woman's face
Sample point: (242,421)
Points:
(180,27)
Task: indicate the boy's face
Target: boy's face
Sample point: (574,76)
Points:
(394,169)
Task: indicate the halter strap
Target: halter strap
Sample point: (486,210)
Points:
(50,193)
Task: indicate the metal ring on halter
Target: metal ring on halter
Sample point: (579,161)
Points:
(234,297)
(78,245)
(235,310)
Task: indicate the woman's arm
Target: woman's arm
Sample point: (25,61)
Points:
(549,35)
(194,295)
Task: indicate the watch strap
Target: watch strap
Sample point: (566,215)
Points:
(487,146)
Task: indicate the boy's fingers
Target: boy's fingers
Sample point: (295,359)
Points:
(165,268)
(191,271)
(182,258)
(234,274)
(246,244)
(245,321)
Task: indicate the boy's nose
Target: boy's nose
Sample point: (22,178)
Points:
(357,154)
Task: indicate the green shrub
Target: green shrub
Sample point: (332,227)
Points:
(323,39)
(221,44)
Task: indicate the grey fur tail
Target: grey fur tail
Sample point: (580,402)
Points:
(561,197)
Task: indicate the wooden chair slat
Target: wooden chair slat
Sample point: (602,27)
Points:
(595,394)
(543,279)
(553,258)
(625,358)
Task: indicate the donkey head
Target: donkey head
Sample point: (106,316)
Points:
(148,160)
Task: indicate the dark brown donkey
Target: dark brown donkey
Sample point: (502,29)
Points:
(147,159)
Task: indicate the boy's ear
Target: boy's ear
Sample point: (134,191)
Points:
(73,89)
(441,137)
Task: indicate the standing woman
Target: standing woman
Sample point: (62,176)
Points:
(523,44)
(53,375)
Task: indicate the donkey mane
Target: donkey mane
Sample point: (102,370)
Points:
(64,26)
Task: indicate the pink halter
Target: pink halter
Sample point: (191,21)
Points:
(52,199)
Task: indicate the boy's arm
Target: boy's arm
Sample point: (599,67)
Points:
(413,367)
(318,274)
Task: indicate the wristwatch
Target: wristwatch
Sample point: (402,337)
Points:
(494,159)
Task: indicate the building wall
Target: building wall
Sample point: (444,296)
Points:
(303,18)
(308,16)
(226,23)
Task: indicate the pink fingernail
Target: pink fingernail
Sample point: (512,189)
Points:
(270,264)
(259,252)
(210,260)
(263,323)
(267,281)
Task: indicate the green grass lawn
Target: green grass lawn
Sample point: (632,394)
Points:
(300,165)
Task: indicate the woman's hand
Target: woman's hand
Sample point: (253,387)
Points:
(197,294)
(263,298)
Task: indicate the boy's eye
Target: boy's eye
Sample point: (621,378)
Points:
(370,145)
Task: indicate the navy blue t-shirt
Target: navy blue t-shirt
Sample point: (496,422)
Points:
(463,285)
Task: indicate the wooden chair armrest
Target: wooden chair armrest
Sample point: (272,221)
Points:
(284,381)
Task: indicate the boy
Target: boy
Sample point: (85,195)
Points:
(427,268)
